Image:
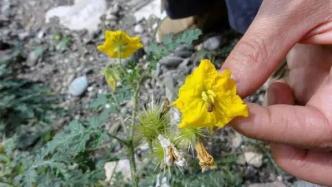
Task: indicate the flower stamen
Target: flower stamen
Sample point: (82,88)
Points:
(209,98)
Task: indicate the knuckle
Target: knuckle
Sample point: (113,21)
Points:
(323,141)
(281,122)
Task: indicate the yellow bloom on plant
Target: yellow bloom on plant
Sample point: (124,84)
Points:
(118,44)
(208,98)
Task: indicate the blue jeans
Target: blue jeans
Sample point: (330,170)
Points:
(240,12)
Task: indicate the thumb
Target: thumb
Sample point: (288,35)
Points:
(274,31)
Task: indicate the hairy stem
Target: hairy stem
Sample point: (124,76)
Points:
(117,103)
(132,162)
(131,146)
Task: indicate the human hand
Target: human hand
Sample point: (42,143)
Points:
(301,135)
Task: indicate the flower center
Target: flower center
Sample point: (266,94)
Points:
(120,48)
(209,98)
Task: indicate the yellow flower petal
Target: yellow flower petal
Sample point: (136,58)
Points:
(119,44)
(208,98)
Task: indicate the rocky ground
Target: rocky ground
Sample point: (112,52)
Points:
(61,55)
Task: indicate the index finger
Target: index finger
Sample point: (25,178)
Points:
(277,27)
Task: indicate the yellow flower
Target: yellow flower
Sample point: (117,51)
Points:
(206,161)
(119,44)
(208,98)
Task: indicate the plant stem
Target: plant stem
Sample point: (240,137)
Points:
(119,110)
(132,162)
(135,100)
(131,146)
(117,138)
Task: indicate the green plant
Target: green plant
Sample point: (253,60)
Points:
(119,126)
(22,102)
(26,110)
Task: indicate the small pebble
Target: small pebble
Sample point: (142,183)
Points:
(78,86)
(138,28)
(236,140)
(171,61)
(212,43)
(111,17)
(183,48)
(90,88)
(41,34)
(253,158)
(183,54)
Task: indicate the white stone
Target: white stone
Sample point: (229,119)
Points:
(138,28)
(212,43)
(111,17)
(236,140)
(161,181)
(41,34)
(253,158)
(78,86)
(84,14)
(90,88)
(121,166)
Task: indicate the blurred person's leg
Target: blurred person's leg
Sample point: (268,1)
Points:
(212,14)
(241,13)
(185,8)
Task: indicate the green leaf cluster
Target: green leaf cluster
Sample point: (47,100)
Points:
(156,51)
(75,154)
(22,102)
